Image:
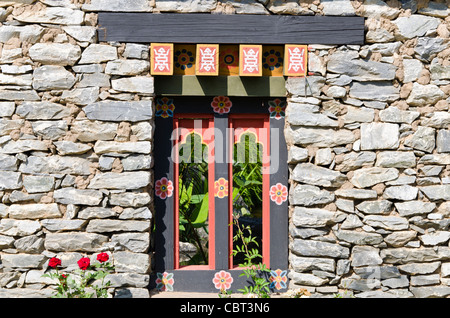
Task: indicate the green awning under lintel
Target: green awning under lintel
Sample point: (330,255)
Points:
(191,85)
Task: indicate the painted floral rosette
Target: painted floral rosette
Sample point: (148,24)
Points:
(221,105)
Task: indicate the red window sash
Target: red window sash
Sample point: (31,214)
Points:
(266,187)
(266,183)
(211,219)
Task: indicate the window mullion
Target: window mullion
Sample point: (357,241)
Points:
(221,203)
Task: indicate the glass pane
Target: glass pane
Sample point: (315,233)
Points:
(193,201)
(247,195)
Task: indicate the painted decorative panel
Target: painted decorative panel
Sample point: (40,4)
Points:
(295,60)
(272,60)
(222,280)
(163,188)
(161,58)
(184,59)
(229,60)
(207,62)
(250,60)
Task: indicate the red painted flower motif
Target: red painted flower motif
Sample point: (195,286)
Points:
(277,108)
(278,193)
(221,188)
(164,188)
(229,58)
(222,280)
(278,279)
(221,104)
(165,281)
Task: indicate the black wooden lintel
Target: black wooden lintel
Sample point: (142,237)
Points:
(229,29)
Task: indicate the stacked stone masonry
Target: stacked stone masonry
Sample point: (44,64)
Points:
(369,147)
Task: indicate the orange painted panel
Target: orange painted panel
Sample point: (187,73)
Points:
(250,60)
(207,62)
(229,60)
(184,59)
(272,60)
(161,58)
(295,60)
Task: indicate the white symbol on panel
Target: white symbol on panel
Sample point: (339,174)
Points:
(162,59)
(251,60)
(207,60)
(296,59)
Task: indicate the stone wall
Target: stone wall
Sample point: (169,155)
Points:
(369,157)
(369,147)
(75,144)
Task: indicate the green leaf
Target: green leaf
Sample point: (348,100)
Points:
(200,213)
(186,193)
(239,180)
(101,275)
(197,198)
(236,194)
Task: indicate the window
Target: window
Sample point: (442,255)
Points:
(249,172)
(194,191)
(218,159)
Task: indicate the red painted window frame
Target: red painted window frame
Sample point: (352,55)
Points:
(266,185)
(211,226)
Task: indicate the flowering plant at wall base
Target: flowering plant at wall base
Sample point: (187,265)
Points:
(87,282)
(259,287)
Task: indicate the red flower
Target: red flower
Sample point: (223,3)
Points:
(84,263)
(62,278)
(278,193)
(163,188)
(54,262)
(102,257)
(221,104)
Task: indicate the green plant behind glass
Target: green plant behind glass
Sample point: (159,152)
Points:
(247,200)
(247,175)
(193,196)
(251,268)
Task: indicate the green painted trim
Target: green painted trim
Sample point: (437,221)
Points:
(191,85)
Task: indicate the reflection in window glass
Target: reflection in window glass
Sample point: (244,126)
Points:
(247,191)
(193,201)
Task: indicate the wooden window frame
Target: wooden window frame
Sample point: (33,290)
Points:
(275,233)
(265,190)
(211,258)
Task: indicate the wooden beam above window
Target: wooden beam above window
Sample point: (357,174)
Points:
(230,29)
